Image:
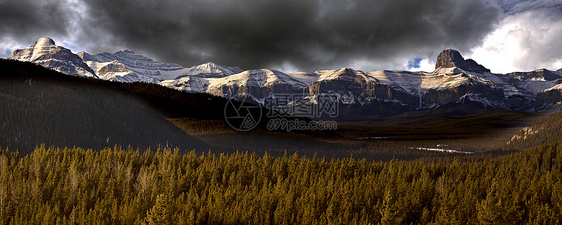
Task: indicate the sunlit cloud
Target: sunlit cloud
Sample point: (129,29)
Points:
(523,42)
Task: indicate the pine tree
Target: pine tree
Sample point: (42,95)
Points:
(491,208)
(160,212)
(389,212)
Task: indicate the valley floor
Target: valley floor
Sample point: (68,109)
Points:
(407,136)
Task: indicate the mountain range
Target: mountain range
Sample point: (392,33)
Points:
(455,82)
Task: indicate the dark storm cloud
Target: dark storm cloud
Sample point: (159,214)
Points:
(249,34)
(306,34)
(31,19)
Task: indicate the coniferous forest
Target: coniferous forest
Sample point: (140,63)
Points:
(118,186)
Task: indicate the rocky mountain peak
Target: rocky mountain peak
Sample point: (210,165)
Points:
(125,52)
(452,58)
(448,58)
(208,65)
(85,56)
(44,42)
(347,70)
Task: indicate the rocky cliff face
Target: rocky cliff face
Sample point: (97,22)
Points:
(113,66)
(452,58)
(357,87)
(540,74)
(548,98)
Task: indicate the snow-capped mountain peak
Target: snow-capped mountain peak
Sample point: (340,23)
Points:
(257,83)
(342,74)
(211,70)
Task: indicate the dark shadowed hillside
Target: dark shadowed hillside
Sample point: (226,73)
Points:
(38,105)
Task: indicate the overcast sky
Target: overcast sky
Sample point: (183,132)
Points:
(297,35)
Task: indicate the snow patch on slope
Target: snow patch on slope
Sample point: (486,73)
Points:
(257,78)
(306,78)
(416,83)
(189,84)
(211,70)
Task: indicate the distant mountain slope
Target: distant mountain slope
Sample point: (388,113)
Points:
(211,70)
(549,97)
(255,83)
(38,105)
(142,68)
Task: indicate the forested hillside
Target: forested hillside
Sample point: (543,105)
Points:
(38,106)
(540,132)
(116,186)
